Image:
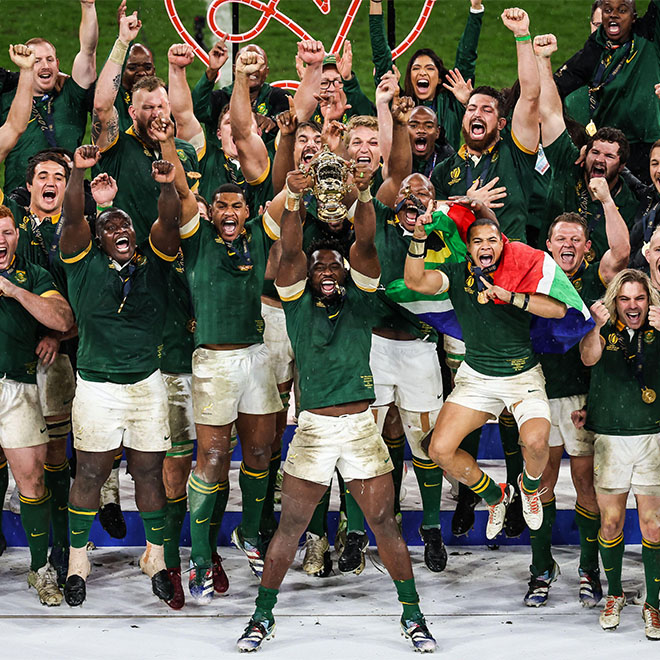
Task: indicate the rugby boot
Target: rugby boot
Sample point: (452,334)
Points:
(590,590)
(610,616)
(317,555)
(255,633)
(651,618)
(220,580)
(497,512)
(539,586)
(435,553)
(463,519)
(417,632)
(514,522)
(352,559)
(178,600)
(44,580)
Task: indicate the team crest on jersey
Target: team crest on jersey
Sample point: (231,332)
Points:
(24,223)
(649,336)
(21,277)
(141,260)
(454,176)
(262,109)
(496,155)
(612,342)
(182,155)
(578,284)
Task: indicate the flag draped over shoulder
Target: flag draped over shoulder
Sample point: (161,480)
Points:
(444,244)
(522,269)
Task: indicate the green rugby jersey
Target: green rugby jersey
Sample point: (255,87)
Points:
(496,337)
(178,332)
(225,283)
(506,159)
(19,330)
(123,100)
(64,111)
(565,373)
(568,192)
(128,160)
(120,313)
(614,404)
(216,169)
(331,347)
(40,243)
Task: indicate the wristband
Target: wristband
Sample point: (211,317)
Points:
(118,52)
(365,196)
(517,300)
(100,209)
(527,37)
(410,255)
(417,248)
(292,202)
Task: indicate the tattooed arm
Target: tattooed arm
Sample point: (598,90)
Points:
(105,121)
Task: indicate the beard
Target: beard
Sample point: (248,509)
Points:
(482,143)
(142,130)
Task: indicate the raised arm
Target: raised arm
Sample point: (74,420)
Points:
(252,152)
(164,234)
(415,276)
(466,52)
(21,107)
(550,105)
(387,88)
(381,54)
(76,235)
(179,56)
(591,345)
(399,165)
(525,121)
(618,237)
(310,53)
(51,310)
(363,255)
(283,162)
(105,123)
(293,263)
(84,64)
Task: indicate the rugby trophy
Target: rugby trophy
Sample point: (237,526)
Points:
(330,174)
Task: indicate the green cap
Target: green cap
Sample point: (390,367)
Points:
(330,59)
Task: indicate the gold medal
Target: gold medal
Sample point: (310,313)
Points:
(590,129)
(590,255)
(648,395)
(482,297)
(191,325)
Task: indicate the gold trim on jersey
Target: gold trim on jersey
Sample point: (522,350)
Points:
(271,227)
(520,146)
(158,253)
(291,292)
(262,177)
(189,229)
(77,257)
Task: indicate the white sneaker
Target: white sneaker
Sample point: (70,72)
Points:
(611,614)
(497,512)
(315,549)
(532,506)
(44,581)
(651,618)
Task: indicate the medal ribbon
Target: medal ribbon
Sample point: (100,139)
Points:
(46,124)
(598,81)
(238,251)
(635,361)
(36,228)
(127,281)
(488,159)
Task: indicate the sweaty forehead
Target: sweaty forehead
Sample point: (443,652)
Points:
(422,113)
(482,100)
(417,182)
(229,198)
(155,97)
(325,255)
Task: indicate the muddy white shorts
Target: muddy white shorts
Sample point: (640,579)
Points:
(57,385)
(21,421)
(624,462)
(180,414)
(406,373)
(278,343)
(576,442)
(351,443)
(226,383)
(106,414)
(493,394)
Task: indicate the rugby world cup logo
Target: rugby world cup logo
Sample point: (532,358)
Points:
(268,11)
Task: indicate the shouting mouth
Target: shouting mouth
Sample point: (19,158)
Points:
(328,286)
(123,245)
(477,129)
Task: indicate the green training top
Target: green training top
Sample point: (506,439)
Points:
(331,347)
(496,337)
(565,374)
(449,111)
(128,160)
(226,281)
(178,332)
(118,343)
(64,111)
(614,404)
(569,192)
(19,330)
(506,159)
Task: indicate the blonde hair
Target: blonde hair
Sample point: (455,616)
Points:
(359,120)
(624,277)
